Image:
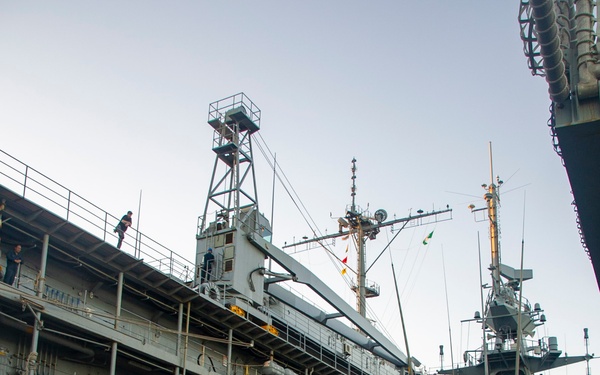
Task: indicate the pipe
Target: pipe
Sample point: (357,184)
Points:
(586,62)
(179,328)
(113,358)
(547,32)
(33,355)
(187,336)
(119,300)
(113,353)
(229,346)
(32,358)
(44,260)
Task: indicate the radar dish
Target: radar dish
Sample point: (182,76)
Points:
(380,215)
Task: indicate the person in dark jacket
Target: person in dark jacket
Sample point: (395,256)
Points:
(122,227)
(207,266)
(13,260)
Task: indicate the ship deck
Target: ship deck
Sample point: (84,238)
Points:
(166,324)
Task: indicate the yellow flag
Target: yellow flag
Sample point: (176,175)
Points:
(344,271)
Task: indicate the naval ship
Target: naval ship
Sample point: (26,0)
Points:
(80,305)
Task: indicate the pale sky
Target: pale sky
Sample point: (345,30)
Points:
(111,97)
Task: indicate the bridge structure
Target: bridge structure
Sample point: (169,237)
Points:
(560,43)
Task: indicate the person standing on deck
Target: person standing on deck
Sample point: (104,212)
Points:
(122,227)
(13,260)
(207,266)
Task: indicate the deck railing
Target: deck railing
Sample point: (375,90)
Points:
(63,202)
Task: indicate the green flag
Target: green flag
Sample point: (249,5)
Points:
(426,240)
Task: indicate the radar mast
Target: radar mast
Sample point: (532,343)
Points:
(363,226)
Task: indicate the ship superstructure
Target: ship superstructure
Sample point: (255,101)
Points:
(239,237)
(80,305)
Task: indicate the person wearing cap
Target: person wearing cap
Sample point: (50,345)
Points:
(207,266)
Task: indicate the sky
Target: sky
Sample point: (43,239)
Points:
(110,99)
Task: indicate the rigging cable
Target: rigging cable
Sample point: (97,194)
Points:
(278,172)
(287,186)
(414,282)
(297,201)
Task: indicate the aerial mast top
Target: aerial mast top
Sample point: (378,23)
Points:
(353,189)
(362,226)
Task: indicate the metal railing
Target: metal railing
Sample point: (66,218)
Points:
(63,202)
(535,348)
(130,323)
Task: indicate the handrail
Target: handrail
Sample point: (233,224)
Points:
(81,212)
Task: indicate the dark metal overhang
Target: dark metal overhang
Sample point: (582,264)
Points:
(580,146)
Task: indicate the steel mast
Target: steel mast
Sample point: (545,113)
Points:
(492,198)
(362,226)
(361,301)
(234,119)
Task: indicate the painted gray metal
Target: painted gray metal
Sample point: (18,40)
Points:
(375,341)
